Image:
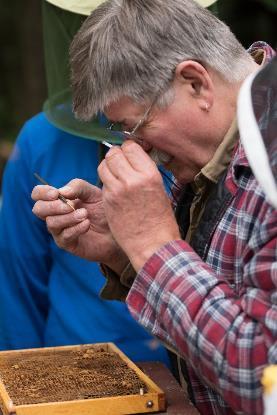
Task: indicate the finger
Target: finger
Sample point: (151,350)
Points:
(70,235)
(42,192)
(106,176)
(138,159)
(118,164)
(80,189)
(56,224)
(43,208)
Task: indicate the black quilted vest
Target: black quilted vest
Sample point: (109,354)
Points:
(217,203)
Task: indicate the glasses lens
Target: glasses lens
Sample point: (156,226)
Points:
(118,134)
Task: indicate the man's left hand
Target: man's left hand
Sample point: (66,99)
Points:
(136,205)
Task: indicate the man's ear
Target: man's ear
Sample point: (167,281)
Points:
(198,80)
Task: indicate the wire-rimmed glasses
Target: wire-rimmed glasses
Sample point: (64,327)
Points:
(125,135)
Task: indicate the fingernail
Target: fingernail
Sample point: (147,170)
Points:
(65,189)
(80,213)
(52,194)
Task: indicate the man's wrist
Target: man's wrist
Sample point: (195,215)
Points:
(139,256)
(117,262)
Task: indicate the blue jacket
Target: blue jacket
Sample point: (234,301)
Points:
(48,296)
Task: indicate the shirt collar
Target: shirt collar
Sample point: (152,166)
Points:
(222,157)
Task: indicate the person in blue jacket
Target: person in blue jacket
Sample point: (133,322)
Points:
(50,297)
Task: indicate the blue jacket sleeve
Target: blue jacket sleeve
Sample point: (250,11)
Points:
(24,262)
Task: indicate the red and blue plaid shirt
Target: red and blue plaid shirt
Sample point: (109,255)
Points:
(221,314)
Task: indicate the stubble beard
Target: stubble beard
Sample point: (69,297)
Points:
(159,157)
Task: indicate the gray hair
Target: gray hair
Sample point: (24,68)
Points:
(132,47)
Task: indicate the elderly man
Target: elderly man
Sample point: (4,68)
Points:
(167,75)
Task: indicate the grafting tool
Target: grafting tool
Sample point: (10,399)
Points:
(61,197)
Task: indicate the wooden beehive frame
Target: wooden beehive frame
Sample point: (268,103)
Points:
(152,401)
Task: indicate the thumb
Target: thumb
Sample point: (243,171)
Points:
(80,189)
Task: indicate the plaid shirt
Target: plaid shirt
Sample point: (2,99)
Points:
(220,315)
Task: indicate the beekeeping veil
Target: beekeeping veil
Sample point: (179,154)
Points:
(61,20)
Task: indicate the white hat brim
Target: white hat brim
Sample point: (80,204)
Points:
(85,7)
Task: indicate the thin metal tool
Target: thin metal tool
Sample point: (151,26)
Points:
(61,197)
(107,144)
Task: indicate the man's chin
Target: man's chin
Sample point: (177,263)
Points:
(182,176)
(177,172)
(160,158)
(169,164)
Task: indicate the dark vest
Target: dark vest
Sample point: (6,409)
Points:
(218,200)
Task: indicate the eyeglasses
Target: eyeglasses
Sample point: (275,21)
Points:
(125,135)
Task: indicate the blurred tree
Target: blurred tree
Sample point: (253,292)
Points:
(22,86)
(271,4)
(250,20)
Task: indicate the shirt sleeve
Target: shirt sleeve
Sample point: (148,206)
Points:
(117,286)
(226,336)
(24,254)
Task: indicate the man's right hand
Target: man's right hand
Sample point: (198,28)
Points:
(83,232)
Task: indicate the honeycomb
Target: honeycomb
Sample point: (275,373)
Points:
(65,375)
